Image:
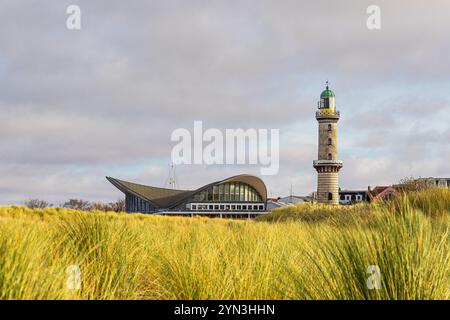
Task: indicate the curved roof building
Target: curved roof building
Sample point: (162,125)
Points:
(238,196)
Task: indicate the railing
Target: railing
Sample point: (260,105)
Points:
(327,113)
(327,162)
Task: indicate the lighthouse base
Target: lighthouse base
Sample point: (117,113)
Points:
(328,188)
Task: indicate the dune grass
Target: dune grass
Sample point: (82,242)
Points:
(299,252)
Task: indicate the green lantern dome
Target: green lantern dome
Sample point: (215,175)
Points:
(327,93)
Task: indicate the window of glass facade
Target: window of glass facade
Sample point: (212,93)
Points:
(221,193)
(216,193)
(227,192)
(232,192)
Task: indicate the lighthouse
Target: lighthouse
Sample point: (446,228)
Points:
(327,164)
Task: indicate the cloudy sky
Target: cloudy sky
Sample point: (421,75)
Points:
(76,106)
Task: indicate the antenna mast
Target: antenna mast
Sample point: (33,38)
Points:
(171,181)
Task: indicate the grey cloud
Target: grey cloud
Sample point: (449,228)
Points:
(110,95)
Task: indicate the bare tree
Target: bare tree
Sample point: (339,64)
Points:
(101,206)
(411,184)
(118,206)
(78,204)
(36,204)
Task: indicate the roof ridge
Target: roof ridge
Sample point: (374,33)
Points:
(144,185)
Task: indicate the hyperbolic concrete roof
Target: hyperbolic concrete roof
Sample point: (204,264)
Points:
(167,198)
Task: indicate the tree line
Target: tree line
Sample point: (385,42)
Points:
(78,204)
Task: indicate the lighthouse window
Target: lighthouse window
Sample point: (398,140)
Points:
(329,141)
(329,127)
(329,156)
(330,196)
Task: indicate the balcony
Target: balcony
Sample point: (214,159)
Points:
(320,163)
(327,114)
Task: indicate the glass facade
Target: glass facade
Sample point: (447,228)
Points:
(228,192)
(136,204)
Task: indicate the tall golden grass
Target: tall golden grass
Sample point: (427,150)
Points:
(300,252)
